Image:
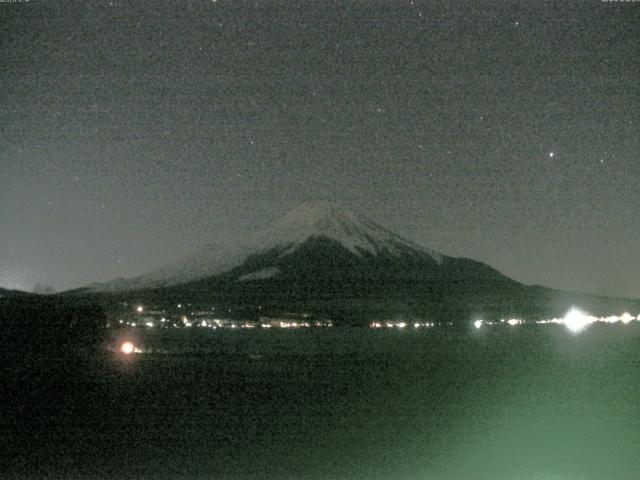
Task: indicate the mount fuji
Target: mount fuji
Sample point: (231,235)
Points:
(320,232)
(321,257)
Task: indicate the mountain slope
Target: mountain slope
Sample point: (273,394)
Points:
(355,233)
(323,259)
(6,293)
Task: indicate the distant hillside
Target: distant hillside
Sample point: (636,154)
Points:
(5,293)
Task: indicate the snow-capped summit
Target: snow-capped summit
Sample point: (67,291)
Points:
(355,232)
(311,220)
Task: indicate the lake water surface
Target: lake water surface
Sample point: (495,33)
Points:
(344,403)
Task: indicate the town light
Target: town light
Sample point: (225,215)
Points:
(576,320)
(626,318)
(127,348)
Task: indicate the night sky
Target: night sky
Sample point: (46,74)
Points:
(132,132)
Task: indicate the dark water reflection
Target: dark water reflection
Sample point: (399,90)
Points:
(508,403)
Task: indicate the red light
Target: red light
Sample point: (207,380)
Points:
(127,348)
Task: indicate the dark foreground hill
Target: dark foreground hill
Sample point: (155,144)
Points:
(43,325)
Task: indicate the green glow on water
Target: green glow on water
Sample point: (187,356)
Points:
(362,404)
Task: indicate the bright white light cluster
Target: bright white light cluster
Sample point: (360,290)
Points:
(575,320)
(478,324)
(294,324)
(400,324)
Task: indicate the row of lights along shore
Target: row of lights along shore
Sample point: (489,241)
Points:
(575,320)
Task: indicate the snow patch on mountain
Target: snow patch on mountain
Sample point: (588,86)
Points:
(260,274)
